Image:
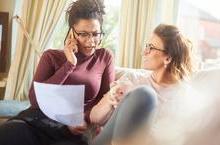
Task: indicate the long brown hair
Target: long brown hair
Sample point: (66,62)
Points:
(178,48)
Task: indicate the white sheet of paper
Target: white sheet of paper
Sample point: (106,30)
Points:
(63,103)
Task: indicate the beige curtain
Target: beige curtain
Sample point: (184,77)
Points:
(40,18)
(138,19)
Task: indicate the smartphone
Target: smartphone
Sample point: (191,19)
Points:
(70,35)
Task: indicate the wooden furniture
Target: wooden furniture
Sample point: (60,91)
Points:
(3,119)
(4,21)
(3,80)
(3,83)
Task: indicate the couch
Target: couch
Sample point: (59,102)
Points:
(203,80)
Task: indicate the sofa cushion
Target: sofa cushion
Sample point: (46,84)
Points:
(207,82)
(122,71)
(203,80)
(9,108)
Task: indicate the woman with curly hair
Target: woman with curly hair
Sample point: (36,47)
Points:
(80,62)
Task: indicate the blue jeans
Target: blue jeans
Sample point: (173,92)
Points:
(135,110)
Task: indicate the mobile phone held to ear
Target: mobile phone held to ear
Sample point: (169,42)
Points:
(70,47)
(71,36)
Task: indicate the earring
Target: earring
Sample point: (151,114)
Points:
(165,65)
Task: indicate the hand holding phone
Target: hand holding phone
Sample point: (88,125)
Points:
(71,48)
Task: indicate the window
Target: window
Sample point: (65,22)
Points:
(110,27)
(57,38)
(200,21)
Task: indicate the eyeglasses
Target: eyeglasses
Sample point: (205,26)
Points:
(86,35)
(149,47)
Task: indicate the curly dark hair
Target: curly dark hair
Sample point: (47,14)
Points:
(85,9)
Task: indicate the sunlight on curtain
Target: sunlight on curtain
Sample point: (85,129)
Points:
(138,19)
(46,14)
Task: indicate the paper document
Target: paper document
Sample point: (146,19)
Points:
(63,103)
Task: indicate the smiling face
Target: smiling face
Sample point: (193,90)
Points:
(87,32)
(154,56)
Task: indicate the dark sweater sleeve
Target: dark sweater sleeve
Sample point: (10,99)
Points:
(46,73)
(107,78)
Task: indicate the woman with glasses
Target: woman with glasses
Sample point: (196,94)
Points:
(81,62)
(168,56)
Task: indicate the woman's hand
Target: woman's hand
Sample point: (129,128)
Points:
(78,129)
(112,99)
(102,111)
(117,92)
(71,48)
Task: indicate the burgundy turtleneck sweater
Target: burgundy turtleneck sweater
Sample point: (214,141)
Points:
(96,72)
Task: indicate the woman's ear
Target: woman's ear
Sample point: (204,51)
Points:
(167,60)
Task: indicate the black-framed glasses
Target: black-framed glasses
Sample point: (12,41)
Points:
(86,35)
(149,47)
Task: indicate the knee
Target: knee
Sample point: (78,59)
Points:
(144,97)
